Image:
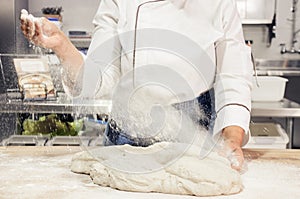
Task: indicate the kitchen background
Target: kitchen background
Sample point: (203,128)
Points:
(78,16)
(258,24)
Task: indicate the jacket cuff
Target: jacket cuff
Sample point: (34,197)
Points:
(232,115)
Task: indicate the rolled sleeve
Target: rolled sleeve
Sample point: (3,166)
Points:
(101,69)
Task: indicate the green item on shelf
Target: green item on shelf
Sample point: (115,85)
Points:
(52,126)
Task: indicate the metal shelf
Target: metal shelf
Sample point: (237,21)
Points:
(81,42)
(278,67)
(63,104)
(284,108)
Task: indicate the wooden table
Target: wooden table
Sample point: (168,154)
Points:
(43,172)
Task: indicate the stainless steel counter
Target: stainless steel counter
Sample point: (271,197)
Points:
(280,67)
(284,108)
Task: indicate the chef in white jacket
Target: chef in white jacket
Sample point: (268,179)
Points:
(213,25)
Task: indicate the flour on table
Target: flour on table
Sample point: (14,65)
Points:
(155,169)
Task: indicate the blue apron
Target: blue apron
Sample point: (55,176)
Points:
(115,136)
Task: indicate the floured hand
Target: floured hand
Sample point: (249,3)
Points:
(231,147)
(234,154)
(41,31)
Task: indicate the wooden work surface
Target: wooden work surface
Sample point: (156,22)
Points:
(44,172)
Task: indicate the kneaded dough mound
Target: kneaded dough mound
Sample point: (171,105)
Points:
(122,168)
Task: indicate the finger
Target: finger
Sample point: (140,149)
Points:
(237,160)
(23,15)
(38,37)
(25,29)
(24,23)
(27,26)
(24,26)
(236,163)
(25,12)
(31,25)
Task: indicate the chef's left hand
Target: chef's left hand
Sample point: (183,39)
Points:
(233,137)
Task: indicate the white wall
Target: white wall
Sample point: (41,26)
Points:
(256,9)
(77,14)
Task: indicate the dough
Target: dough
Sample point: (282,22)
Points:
(164,167)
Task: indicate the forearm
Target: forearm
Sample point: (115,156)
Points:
(72,63)
(71,59)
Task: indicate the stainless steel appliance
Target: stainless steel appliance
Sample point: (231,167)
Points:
(11,41)
(11,38)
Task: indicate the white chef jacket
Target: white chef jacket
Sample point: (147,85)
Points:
(214,25)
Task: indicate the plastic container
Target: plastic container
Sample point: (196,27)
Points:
(267,136)
(269,88)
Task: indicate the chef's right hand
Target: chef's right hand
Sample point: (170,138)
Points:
(41,31)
